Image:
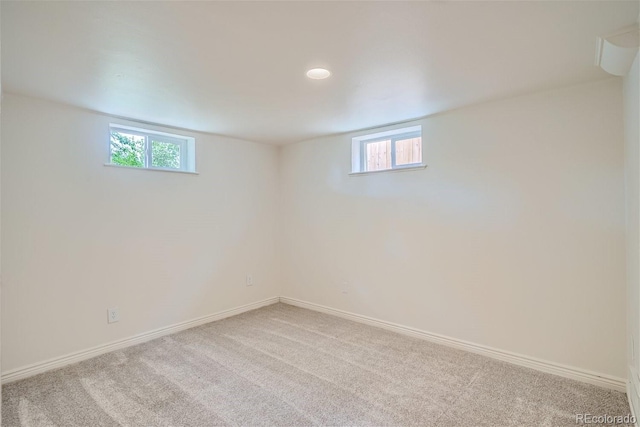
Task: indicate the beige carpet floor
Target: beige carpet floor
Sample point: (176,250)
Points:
(286,366)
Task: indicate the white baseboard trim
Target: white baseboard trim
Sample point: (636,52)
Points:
(573,373)
(59,362)
(583,375)
(633,393)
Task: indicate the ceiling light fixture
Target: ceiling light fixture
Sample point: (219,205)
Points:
(318,73)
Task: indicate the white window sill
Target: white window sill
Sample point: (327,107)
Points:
(113,165)
(401,169)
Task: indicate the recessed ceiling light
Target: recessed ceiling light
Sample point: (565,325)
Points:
(318,73)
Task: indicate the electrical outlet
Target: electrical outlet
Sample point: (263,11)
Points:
(249,280)
(345,287)
(113,315)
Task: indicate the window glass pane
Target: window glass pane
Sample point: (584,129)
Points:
(165,155)
(378,155)
(127,149)
(408,151)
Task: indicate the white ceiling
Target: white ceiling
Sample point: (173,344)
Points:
(238,68)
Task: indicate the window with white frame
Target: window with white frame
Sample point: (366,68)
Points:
(389,150)
(148,149)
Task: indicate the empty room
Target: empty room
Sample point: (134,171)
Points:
(325,213)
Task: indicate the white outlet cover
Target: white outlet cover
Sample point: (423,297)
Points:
(113,315)
(249,280)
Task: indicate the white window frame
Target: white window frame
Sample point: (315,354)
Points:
(359,147)
(186,144)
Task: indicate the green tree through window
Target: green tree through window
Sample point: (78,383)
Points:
(146,149)
(165,155)
(127,150)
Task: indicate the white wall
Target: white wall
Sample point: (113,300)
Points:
(513,237)
(631,96)
(79,237)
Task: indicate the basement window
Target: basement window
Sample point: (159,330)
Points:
(384,151)
(147,149)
